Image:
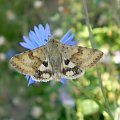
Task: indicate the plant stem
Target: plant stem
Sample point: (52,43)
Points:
(68,117)
(97,70)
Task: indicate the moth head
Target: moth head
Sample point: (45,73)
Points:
(52,42)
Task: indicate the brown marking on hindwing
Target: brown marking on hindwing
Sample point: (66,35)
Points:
(39,74)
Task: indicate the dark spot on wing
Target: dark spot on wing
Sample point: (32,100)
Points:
(45,63)
(38,74)
(76,70)
(30,54)
(66,62)
(80,50)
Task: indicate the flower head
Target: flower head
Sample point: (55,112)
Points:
(66,99)
(39,37)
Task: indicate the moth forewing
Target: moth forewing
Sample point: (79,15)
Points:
(86,57)
(22,64)
(28,61)
(13,64)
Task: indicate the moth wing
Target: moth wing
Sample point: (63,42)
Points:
(86,57)
(82,56)
(31,62)
(70,71)
(68,50)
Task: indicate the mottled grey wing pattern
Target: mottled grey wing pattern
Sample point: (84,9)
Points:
(29,61)
(68,50)
(34,63)
(77,58)
(82,56)
(86,57)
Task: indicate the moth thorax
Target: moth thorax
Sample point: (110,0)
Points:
(51,44)
(55,61)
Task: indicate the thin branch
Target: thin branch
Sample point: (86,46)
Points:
(97,70)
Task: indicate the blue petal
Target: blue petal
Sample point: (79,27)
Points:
(31,81)
(70,38)
(65,36)
(33,39)
(72,42)
(37,32)
(27,40)
(62,80)
(27,77)
(47,31)
(28,46)
(28,43)
(42,33)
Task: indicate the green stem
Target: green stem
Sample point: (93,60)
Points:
(67,113)
(89,96)
(97,70)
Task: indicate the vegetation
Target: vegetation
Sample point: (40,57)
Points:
(82,99)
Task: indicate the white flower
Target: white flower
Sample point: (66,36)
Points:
(2,40)
(10,15)
(116,57)
(2,57)
(58,32)
(38,4)
(36,112)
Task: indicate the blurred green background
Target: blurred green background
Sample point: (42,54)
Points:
(80,99)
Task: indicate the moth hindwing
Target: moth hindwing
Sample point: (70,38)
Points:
(54,59)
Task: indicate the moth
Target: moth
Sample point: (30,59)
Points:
(54,60)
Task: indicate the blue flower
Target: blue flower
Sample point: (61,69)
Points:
(39,37)
(65,98)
